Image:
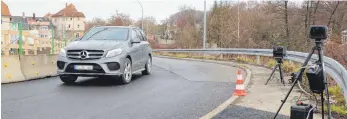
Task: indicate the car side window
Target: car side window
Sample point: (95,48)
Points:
(143,35)
(140,35)
(133,34)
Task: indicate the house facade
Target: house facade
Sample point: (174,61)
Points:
(68,21)
(37,26)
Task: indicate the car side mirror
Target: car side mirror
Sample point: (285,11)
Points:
(135,40)
(77,39)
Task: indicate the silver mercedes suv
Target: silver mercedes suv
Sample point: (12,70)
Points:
(112,51)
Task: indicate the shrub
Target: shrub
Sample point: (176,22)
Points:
(181,55)
(289,67)
(244,60)
(271,63)
(336,92)
(341,110)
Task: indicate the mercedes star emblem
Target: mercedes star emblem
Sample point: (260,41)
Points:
(84,54)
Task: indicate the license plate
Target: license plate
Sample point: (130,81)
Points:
(83,67)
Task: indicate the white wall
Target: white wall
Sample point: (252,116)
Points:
(71,23)
(5,25)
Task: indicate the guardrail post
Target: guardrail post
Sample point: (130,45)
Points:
(258,59)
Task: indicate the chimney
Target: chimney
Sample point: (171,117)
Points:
(34,16)
(65,4)
(23,15)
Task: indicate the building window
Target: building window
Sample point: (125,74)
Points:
(69,25)
(71,18)
(44,28)
(78,26)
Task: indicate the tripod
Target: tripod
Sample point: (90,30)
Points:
(279,65)
(319,48)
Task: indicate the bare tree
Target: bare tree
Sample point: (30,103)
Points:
(333,12)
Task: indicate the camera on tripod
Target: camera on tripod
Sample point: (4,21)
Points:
(315,74)
(319,32)
(279,52)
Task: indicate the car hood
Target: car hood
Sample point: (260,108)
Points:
(95,45)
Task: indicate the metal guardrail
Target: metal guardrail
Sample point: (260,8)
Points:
(333,68)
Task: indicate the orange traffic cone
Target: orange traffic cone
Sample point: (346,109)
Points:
(240,88)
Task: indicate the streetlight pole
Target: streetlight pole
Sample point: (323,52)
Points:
(142,14)
(204,39)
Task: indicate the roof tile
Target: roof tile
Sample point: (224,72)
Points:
(4,9)
(69,11)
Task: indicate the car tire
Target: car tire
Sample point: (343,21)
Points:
(126,77)
(148,67)
(68,79)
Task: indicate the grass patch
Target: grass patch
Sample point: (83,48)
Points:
(340,110)
(244,60)
(271,63)
(181,56)
(289,67)
(337,95)
(210,57)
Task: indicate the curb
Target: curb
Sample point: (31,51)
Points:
(31,79)
(228,102)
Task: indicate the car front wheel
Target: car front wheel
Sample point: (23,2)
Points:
(127,74)
(148,67)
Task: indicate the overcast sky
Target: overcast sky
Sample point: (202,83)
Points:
(160,9)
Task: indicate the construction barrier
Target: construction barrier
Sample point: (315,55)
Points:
(21,68)
(11,69)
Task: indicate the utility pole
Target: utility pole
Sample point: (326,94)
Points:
(204,37)
(142,14)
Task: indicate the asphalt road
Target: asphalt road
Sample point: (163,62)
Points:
(176,89)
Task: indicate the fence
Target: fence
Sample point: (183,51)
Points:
(333,68)
(30,39)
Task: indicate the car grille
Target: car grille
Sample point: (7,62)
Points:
(96,68)
(92,54)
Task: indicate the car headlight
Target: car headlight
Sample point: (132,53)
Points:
(114,52)
(62,52)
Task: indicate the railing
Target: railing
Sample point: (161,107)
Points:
(35,44)
(333,68)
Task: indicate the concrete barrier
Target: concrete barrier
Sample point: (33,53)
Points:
(37,66)
(11,69)
(52,63)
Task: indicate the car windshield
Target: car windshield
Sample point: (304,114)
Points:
(106,33)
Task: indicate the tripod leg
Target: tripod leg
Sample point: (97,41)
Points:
(320,54)
(272,73)
(322,99)
(281,73)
